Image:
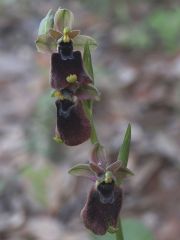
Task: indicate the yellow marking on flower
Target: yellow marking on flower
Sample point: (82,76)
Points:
(57,139)
(59,95)
(108,177)
(72,78)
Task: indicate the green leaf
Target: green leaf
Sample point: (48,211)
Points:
(132,230)
(63,19)
(46,23)
(80,41)
(125,147)
(46,44)
(82,170)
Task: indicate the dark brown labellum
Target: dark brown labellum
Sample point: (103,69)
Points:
(97,216)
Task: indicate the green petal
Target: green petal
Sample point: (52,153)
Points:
(63,18)
(80,41)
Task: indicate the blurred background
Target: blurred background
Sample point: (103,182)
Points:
(137,69)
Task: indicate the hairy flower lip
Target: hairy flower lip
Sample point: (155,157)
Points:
(98,216)
(61,69)
(72,124)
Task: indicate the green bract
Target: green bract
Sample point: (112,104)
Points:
(125,147)
(87,59)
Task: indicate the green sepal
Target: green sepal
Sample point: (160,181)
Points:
(81,170)
(63,19)
(88,92)
(80,40)
(125,147)
(46,44)
(46,23)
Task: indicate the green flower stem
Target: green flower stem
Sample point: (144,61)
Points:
(94,137)
(88,106)
(119,233)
